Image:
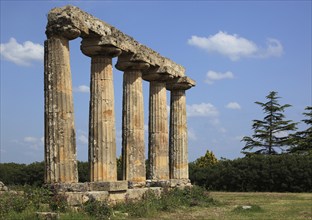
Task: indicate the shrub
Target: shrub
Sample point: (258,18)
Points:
(10,202)
(58,202)
(100,210)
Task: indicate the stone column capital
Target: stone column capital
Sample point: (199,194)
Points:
(156,74)
(93,47)
(69,32)
(182,83)
(127,61)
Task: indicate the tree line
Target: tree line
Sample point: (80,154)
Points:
(256,173)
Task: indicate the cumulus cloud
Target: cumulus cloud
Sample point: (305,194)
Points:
(236,47)
(233,105)
(203,110)
(82,89)
(212,76)
(21,54)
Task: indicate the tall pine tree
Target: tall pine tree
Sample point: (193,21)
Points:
(302,140)
(271,133)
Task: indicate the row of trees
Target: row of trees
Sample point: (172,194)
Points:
(33,174)
(258,173)
(274,134)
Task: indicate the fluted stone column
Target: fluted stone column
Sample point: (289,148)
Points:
(60,143)
(178,153)
(133,146)
(158,132)
(178,142)
(102,131)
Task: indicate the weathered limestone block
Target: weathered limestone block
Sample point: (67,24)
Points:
(180,183)
(102,131)
(133,147)
(74,198)
(117,197)
(3,187)
(109,186)
(74,18)
(68,187)
(60,142)
(178,152)
(158,144)
(96,195)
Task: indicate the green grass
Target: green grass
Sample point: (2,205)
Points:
(264,206)
(174,204)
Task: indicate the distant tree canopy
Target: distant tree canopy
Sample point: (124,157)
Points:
(21,174)
(269,133)
(257,173)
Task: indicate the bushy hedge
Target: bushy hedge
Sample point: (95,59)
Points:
(263,173)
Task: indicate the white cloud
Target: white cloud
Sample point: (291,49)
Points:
(233,105)
(203,109)
(32,142)
(21,54)
(280,134)
(82,89)
(191,134)
(236,47)
(212,76)
(82,137)
(238,137)
(30,139)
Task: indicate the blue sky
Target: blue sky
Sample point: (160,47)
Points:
(236,51)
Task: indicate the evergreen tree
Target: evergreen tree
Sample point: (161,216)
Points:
(269,134)
(302,140)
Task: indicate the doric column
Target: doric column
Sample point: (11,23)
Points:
(158,132)
(178,145)
(158,146)
(133,146)
(60,142)
(102,131)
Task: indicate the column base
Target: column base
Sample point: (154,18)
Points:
(180,183)
(171,183)
(134,185)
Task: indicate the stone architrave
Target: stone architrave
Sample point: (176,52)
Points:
(178,152)
(60,141)
(102,131)
(133,146)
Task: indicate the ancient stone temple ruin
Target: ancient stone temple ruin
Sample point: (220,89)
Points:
(167,140)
